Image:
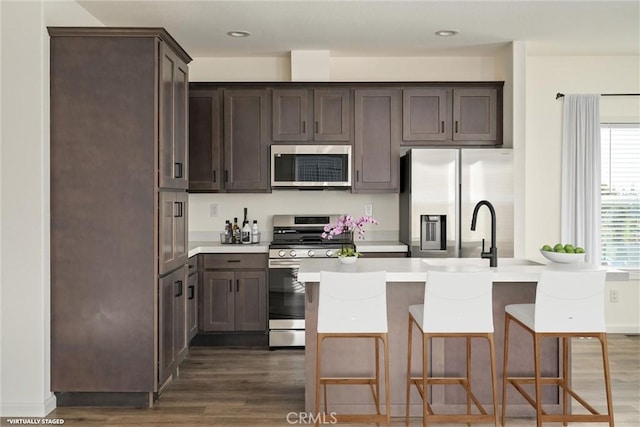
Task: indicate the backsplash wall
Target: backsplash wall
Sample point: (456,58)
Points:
(262,207)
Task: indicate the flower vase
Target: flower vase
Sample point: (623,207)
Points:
(348,259)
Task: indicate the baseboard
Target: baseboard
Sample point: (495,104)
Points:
(116,399)
(18,410)
(623,329)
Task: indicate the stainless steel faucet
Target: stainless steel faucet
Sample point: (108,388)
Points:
(493,251)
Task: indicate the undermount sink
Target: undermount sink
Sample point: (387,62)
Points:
(444,262)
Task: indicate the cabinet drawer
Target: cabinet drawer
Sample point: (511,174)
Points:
(234,261)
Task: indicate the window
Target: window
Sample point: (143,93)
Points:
(620,191)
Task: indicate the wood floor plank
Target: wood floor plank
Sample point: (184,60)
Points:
(257,387)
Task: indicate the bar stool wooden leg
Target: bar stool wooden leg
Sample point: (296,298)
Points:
(468,380)
(425,387)
(318,357)
(538,382)
(565,377)
(494,378)
(607,376)
(504,367)
(387,388)
(410,339)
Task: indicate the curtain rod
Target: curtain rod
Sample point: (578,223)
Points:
(560,95)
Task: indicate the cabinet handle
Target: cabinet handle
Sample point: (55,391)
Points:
(442,126)
(178,209)
(230,285)
(456,126)
(214,175)
(178,170)
(357,176)
(238,285)
(192,292)
(233,260)
(317,126)
(179,283)
(304,127)
(226,176)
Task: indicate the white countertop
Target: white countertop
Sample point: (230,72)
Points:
(415,269)
(215,247)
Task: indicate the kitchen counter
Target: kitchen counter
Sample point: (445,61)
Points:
(514,283)
(380,246)
(215,247)
(415,269)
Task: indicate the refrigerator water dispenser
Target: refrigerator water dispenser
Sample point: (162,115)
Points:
(433,232)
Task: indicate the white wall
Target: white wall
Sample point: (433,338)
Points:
(545,77)
(24,203)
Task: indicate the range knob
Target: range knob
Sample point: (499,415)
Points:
(293,254)
(281,254)
(311,253)
(329,253)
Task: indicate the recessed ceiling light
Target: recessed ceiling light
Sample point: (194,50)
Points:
(447,33)
(238,33)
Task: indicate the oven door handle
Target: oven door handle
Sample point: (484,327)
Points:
(294,263)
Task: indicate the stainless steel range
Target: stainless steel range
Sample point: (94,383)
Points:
(294,237)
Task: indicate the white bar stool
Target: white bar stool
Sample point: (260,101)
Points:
(456,304)
(569,303)
(354,305)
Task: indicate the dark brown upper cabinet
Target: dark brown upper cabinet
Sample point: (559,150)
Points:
(205,140)
(457,116)
(246,140)
(426,115)
(475,114)
(305,115)
(173,93)
(377,140)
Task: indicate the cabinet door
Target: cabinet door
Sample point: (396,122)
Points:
(377,140)
(426,115)
(205,140)
(246,147)
(173,114)
(173,230)
(172,341)
(290,115)
(475,114)
(251,301)
(332,115)
(218,296)
(192,306)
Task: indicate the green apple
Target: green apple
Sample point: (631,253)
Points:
(547,248)
(569,247)
(579,250)
(557,247)
(570,250)
(561,251)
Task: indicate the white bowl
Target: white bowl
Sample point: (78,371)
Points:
(348,259)
(563,258)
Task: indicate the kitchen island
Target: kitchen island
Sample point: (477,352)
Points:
(514,283)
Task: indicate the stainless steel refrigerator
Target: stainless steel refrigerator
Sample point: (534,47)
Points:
(439,189)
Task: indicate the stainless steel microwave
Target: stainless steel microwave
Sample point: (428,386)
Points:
(311,166)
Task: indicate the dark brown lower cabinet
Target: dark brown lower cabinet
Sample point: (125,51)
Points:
(172,328)
(234,301)
(192,304)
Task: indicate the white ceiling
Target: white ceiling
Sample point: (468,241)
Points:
(384,28)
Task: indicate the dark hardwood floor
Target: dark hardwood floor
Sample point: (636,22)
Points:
(255,387)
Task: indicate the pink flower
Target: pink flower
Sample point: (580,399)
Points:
(346,224)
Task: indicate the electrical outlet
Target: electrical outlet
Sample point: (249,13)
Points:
(613,295)
(213,210)
(368,209)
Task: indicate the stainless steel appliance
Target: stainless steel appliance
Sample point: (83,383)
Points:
(294,237)
(311,166)
(438,191)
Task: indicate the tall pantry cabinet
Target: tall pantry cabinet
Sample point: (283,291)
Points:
(119,101)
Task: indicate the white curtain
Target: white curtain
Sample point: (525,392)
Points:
(581,174)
